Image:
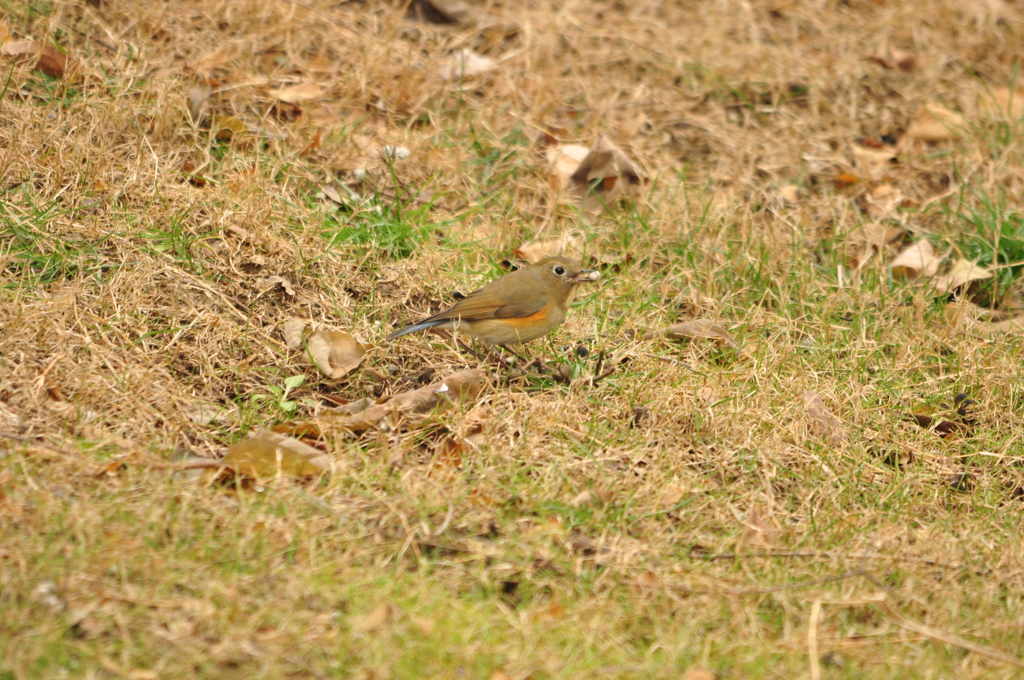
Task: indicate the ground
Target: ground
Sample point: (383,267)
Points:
(819,476)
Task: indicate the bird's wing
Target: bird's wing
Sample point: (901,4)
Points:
(475,307)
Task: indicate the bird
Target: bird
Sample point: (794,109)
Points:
(518,307)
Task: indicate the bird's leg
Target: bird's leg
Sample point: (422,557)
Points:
(481,357)
(517,355)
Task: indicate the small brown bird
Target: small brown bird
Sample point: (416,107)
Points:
(518,307)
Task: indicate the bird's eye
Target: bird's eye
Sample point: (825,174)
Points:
(559,270)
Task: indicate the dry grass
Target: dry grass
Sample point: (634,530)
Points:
(136,320)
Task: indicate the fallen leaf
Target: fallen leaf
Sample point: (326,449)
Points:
(1003,102)
(296,94)
(49,60)
(846,180)
(934,123)
(227,128)
(410,405)
(293,329)
(759,530)
(789,193)
(563,161)
(380,616)
(197,96)
(500,674)
(867,240)
(919,259)
(272,281)
(604,174)
(424,625)
(883,200)
(336,354)
(188,169)
(707,395)
(466,64)
(442,11)
(268,454)
(897,59)
(205,66)
(567,244)
(873,163)
(596,497)
(962,273)
(991,330)
(821,423)
(698,674)
(701,329)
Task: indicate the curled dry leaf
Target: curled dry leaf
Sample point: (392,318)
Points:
(873,163)
(442,11)
(49,60)
(789,193)
(698,674)
(293,329)
(606,173)
(466,64)
(917,260)
(934,123)
(962,273)
(867,240)
(412,405)
(991,330)
(759,530)
(563,161)
(377,618)
(821,423)
(269,454)
(1003,102)
(566,244)
(272,281)
(701,329)
(596,497)
(296,94)
(336,354)
(883,200)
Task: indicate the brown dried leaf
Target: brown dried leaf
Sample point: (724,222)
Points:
(197,96)
(991,330)
(268,454)
(759,530)
(272,281)
(962,272)
(934,123)
(227,128)
(867,240)
(596,497)
(919,259)
(789,193)
(873,163)
(821,423)
(296,94)
(414,404)
(563,161)
(380,616)
(607,172)
(336,354)
(49,60)
(208,63)
(1003,102)
(466,64)
(293,329)
(883,200)
(700,329)
(698,674)
(566,244)
(442,11)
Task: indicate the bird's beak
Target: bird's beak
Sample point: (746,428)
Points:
(586,276)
